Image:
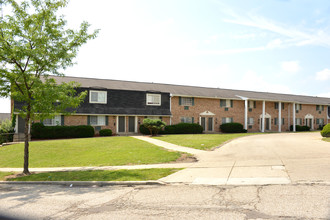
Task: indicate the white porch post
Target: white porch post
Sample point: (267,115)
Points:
(263,116)
(245,114)
(279,116)
(294,116)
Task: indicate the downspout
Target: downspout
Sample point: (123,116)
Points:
(171,108)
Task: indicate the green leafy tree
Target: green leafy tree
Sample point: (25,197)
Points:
(153,125)
(35,44)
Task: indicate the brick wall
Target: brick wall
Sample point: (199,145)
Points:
(237,113)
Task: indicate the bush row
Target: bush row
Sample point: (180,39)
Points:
(181,128)
(232,128)
(38,130)
(300,128)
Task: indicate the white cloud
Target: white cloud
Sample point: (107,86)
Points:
(323,75)
(290,66)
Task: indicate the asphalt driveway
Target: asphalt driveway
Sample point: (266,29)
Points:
(262,159)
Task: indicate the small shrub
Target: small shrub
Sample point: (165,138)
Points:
(105,132)
(183,128)
(153,125)
(300,128)
(232,128)
(6,131)
(326,131)
(144,130)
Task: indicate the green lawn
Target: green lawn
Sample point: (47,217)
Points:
(200,141)
(327,139)
(100,175)
(107,151)
(4,174)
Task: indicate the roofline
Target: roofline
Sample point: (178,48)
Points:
(165,84)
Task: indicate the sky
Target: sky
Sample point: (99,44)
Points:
(278,46)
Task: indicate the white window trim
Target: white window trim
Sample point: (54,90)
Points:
(186,119)
(249,121)
(154,104)
(90,96)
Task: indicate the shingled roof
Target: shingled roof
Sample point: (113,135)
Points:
(179,90)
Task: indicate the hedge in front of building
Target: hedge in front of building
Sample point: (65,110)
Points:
(183,128)
(233,127)
(300,128)
(39,131)
(326,131)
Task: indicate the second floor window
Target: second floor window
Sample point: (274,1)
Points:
(154,99)
(186,101)
(98,97)
(319,108)
(226,103)
(298,107)
(250,121)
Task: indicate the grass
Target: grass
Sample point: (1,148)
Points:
(4,174)
(326,139)
(200,141)
(100,175)
(107,151)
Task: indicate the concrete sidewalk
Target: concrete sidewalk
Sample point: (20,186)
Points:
(169,146)
(126,167)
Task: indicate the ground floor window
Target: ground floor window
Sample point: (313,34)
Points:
(56,121)
(227,120)
(298,121)
(98,120)
(187,119)
(320,121)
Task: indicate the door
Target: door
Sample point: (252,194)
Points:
(203,123)
(131,124)
(267,123)
(121,124)
(210,124)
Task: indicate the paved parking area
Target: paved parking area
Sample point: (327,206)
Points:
(262,159)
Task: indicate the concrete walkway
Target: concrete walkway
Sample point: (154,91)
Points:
(169,145)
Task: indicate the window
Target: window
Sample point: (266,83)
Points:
(186,101)
(153,99)
(53,121)
(226,103)
(276,105)
(320,121)
(98,97)
(319,108)
(252,104)
(283,121)
(250,121)
(298,121)
(275,121)
(227,120)
(97,120)
(298,107)
(187,119)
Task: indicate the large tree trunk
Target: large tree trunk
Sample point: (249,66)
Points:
(26,146)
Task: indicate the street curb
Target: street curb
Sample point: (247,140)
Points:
(83,183)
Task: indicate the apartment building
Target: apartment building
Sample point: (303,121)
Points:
(122,106)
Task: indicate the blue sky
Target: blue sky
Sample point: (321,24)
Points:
(273,46)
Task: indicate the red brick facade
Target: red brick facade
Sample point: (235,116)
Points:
(236,112)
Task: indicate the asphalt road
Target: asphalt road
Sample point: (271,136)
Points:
(301,201)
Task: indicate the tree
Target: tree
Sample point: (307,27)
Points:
(35,44)
(153,125)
